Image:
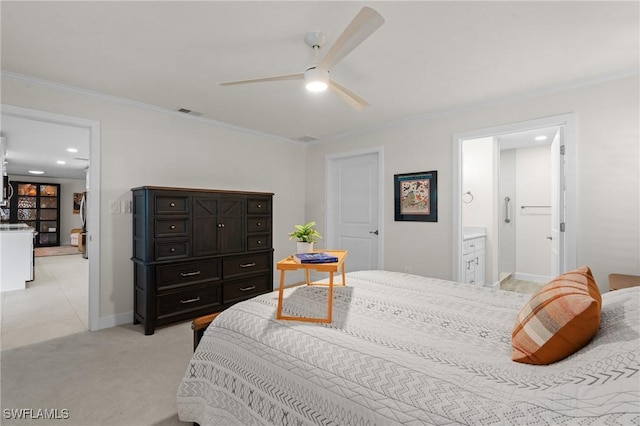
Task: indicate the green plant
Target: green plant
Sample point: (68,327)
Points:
(305,233)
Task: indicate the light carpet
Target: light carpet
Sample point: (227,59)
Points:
(116,376)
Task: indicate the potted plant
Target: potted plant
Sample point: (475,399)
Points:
(306,236)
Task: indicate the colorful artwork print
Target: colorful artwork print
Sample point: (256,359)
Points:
(414,195)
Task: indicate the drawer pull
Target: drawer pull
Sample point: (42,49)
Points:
(184,302)
(172,205)
(259,206)
(259,224)
(172,227)
(253,287)
(259,242)
(189,274)
(247,265)
(172,249)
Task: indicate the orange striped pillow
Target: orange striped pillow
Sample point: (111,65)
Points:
(562,317)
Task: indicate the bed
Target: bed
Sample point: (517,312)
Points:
(405,349)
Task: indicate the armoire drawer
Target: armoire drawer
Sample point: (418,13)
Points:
(258,224)
(258,242)
(176,275)
(175,249)
(172,227)
(234,291)
(171,205)
(258,206)
(238,266)
(180,302)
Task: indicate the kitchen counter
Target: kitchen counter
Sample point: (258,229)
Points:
(16,256)
(15,227)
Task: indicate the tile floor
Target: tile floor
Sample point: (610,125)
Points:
(520,286)
(54,304)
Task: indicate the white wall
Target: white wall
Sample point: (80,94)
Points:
(478,176)
(608,157)
(147,147)
(68,220)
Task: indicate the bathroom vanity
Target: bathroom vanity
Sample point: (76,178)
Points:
(473,255)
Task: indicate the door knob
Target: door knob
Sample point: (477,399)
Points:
(374,232)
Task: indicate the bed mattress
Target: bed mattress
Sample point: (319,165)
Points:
(405,349)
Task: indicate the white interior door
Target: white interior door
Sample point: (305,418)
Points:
(352,209)
(557,205)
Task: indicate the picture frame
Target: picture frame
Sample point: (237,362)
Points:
(416,196)
(77,199)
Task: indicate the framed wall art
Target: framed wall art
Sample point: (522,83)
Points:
(77,199)
(416,196)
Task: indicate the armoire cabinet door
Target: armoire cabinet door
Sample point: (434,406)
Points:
(206,220)
(231,234)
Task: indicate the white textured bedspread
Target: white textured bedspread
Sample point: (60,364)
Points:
(404,349)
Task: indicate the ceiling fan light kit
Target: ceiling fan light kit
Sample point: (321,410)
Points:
(316,77)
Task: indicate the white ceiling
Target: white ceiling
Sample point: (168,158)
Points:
(428,58)
(37,145)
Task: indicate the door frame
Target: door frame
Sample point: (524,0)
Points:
(330,161)
(565,121)
(93,205)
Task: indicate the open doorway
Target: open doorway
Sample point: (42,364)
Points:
(515,202)
(92,180)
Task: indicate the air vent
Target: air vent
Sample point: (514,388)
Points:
(190,112)
(306,138)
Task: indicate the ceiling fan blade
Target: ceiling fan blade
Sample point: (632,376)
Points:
(361,27)
(296,76)
(355,101)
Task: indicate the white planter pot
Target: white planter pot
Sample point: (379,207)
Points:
(304,247)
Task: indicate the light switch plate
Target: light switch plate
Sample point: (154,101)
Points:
(114,206)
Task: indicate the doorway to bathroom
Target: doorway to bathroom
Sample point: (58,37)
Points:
(515,198)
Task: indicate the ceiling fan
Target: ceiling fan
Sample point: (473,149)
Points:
(317,75)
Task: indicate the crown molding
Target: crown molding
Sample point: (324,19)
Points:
(384,126)
(140,105)
(590,81)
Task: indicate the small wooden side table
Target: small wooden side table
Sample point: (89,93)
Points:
(289,264)
(618,281)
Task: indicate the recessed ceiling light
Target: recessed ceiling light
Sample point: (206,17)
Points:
(36,172)
(72,150)
(541,138)
(61,162)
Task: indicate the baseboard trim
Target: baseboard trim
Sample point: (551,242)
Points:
(532,277)
(116,320)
